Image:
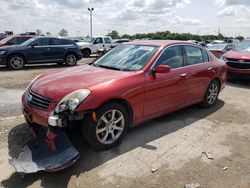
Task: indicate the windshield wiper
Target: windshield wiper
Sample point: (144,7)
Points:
(106,67)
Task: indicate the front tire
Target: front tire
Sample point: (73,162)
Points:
(211,94)
(86,53)
(16,62)
(109,128)
(71,60)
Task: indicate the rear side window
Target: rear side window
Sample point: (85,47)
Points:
(107,40)
(42,41)
(205,56)
(68,42)
(172,57)
(194,55)
(55,42)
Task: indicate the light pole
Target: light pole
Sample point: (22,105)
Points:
(90,12)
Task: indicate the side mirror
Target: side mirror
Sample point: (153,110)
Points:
(229,48)
(162,69)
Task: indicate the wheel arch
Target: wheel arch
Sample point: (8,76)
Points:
(17,53)
(218,80)
(70,52)
(124,103)
(86,48)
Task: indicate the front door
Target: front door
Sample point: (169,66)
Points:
(40,52)
(99,44)
(165,92)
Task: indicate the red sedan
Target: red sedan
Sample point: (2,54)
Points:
(238,61)
(14,40)
(131,84)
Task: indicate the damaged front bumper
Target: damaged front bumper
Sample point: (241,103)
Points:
(50,150)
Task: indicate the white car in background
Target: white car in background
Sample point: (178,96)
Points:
(215,42)
(95,44)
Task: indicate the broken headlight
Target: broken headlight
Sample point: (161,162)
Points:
(72,100)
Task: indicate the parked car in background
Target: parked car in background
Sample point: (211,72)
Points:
(116,42)
(14,40)
(131,84)
(215,42)
(29,33)
(2,36)
(40,50)
(219,49)
(238,61)
(91,45)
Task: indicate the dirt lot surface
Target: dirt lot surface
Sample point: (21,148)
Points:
(167,152)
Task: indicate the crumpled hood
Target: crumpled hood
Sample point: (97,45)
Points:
(237,55)
(57,84)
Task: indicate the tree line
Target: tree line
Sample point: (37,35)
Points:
(171,36)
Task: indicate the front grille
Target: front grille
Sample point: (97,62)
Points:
(238,64)
(37,101)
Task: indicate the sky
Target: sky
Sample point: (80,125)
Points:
(232,17)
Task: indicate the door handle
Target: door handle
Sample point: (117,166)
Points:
(183,75)
(210,69)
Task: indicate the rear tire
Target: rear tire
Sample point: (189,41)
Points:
(16,62)
(211,94)
(110,127)
(71,60)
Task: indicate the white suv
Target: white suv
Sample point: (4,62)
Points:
(92,45)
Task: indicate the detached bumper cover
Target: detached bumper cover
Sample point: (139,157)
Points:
(37,156)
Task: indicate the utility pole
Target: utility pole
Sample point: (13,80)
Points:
(90,14)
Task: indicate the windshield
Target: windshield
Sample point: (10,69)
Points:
(127,57)
(89,39)
(243,46)
(27,42)
(5,39)
(217,47)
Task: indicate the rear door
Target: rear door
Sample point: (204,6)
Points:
(165,92)
(200,72)
(57,49)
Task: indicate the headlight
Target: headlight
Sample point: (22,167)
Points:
(223,58)
(72,100)
(2,52)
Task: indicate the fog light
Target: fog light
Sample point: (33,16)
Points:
(53,121)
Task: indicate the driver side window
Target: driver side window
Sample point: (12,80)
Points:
(172,57)
(98,41)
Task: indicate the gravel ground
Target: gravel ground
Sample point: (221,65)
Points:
(166,152)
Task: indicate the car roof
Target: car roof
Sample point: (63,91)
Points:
(160,43)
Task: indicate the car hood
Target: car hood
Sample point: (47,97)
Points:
(56,84)
(237,55)
(83,43)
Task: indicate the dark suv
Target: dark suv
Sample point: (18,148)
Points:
(40,50)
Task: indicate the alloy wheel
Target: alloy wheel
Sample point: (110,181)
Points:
(110,126)
(16,62)
(212,93)
(71,60)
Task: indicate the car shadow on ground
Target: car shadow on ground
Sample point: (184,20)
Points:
(136,137)
(48,65)
(245,84)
